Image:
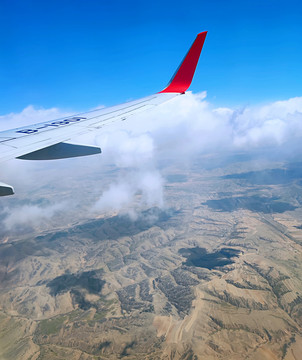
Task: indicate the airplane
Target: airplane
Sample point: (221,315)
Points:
(47,140)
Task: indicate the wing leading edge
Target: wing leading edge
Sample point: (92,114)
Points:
(46,140)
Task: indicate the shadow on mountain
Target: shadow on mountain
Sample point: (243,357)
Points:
(253,203)
(177,178)
(115,227)
(270,176)
(11,254)
(87,280)
(95,230)
(199,257)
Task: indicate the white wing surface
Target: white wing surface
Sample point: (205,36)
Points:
(18,142)
(46,140)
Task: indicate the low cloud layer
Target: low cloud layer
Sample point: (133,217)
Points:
(185,127)
(28,215)
(192,124)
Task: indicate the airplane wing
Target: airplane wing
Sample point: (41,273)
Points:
(47,140)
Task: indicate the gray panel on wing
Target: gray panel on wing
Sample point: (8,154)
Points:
(61,151)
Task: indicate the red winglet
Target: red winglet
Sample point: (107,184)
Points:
(183,76)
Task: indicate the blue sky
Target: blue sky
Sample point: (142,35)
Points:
(76,55)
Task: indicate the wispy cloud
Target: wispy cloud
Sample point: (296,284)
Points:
(133,191)
(29,216)
(30,115)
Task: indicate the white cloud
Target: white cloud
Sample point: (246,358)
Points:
(190,124)
(29,215)
(126,149)
(30,115)
(133,191)
(184,127)
(185,122)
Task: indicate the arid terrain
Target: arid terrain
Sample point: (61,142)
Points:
(216,273)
